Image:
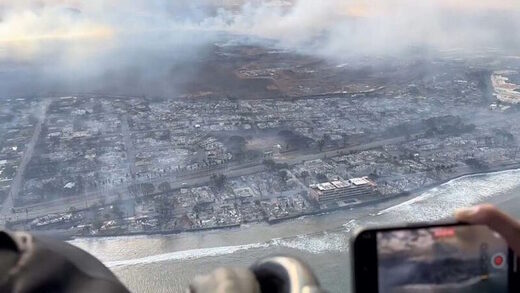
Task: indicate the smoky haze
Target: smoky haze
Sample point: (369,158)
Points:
(157,47)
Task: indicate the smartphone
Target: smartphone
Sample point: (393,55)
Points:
(451,257)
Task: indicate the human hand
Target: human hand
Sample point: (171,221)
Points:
(489,215)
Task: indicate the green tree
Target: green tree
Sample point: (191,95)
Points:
(147,188)
(164,208)
(321,177)
(97,223)
(269,163)
(116,209)
(345,139)
(305,175)
(218,180)
(321,144)
(283,176)
(164,186)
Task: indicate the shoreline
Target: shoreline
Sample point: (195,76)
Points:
(321,212)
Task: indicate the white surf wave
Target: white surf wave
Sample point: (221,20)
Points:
(441,201)
(351,225)
(317,243)
(184,255)
(434,204)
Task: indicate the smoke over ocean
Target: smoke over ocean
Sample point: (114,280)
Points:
(151,47)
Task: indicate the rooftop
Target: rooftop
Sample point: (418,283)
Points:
(359,181)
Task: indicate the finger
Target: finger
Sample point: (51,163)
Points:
(498,221)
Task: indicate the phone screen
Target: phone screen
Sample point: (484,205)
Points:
(442,259)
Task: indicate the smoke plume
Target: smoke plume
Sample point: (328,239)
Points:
(152,47)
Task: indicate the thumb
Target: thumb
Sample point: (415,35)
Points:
(498,221)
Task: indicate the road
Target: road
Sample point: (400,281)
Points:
(129,146)
(178,181)
(79,202)
(294,158)
(16,184)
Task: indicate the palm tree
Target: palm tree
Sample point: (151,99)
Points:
(304,175)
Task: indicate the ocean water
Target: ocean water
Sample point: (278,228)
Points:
(168,263)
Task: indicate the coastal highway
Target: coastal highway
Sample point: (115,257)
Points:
(293,158)
(177,181)
(91,198)
(16,184)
